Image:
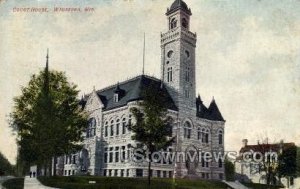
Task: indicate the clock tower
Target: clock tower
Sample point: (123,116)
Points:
(178,56)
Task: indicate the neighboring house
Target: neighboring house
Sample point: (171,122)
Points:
(250,164)
(107,139)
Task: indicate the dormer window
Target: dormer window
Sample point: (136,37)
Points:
(116,97)
(118,93)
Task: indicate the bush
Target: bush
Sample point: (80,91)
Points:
(126,183)
(15,183)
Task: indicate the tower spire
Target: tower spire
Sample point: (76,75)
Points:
(144,56)
(47,58)
(46,79)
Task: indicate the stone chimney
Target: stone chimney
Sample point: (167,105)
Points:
(245,142)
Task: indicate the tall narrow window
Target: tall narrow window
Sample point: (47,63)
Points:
(187,130)
(187,74)
(173,23)
(123,153)
(106,129)
(112,128)
(169,74)
(123,126)
(205,136)
(220,163)
(220,136)
(111,153)
(199,133)
(186,93)
(117,127)
(184,23)
(105,155)
(117,154)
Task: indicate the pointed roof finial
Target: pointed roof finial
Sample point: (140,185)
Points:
(94,88)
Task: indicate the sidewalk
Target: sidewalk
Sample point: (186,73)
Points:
(235,185)
(33,183)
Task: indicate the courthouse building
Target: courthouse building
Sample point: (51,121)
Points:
(108,141)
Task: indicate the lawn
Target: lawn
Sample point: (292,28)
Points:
(15,183)
(127,183)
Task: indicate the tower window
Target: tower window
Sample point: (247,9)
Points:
(169,74)
(186,93)
(187,54)
(170,53)
(184,23)
(187,130)
(220,137)
(187,74)
(173,23)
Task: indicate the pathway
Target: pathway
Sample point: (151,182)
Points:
(235,185)
(33,183)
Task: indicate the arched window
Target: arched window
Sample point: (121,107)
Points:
(187,74)
(112,128)
(220,136)
(205,135)
(91,130)
(169,74)
(123,126)
(173,23)
(184,23)
(106,129)
(187,130)
(117,127)
(199,133)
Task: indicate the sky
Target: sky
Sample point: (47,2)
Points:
(247,56)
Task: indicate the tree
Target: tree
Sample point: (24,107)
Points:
(152,128)
(298,161)
(47,118)
(287,162)
(5,166)
(229,170)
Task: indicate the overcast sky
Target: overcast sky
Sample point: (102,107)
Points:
(247,56)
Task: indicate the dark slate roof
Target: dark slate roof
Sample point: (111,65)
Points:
(178,4)
(211,113)
(214,111)
(131,91)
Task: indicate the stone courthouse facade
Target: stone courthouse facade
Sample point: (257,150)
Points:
(108,142)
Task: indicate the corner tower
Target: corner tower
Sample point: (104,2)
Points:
(178,55)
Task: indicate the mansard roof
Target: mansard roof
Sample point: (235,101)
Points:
(179,4)
(210,113)
(132,90)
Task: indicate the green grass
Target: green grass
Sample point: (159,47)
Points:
(127,183)
(260,186)
(15,183)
